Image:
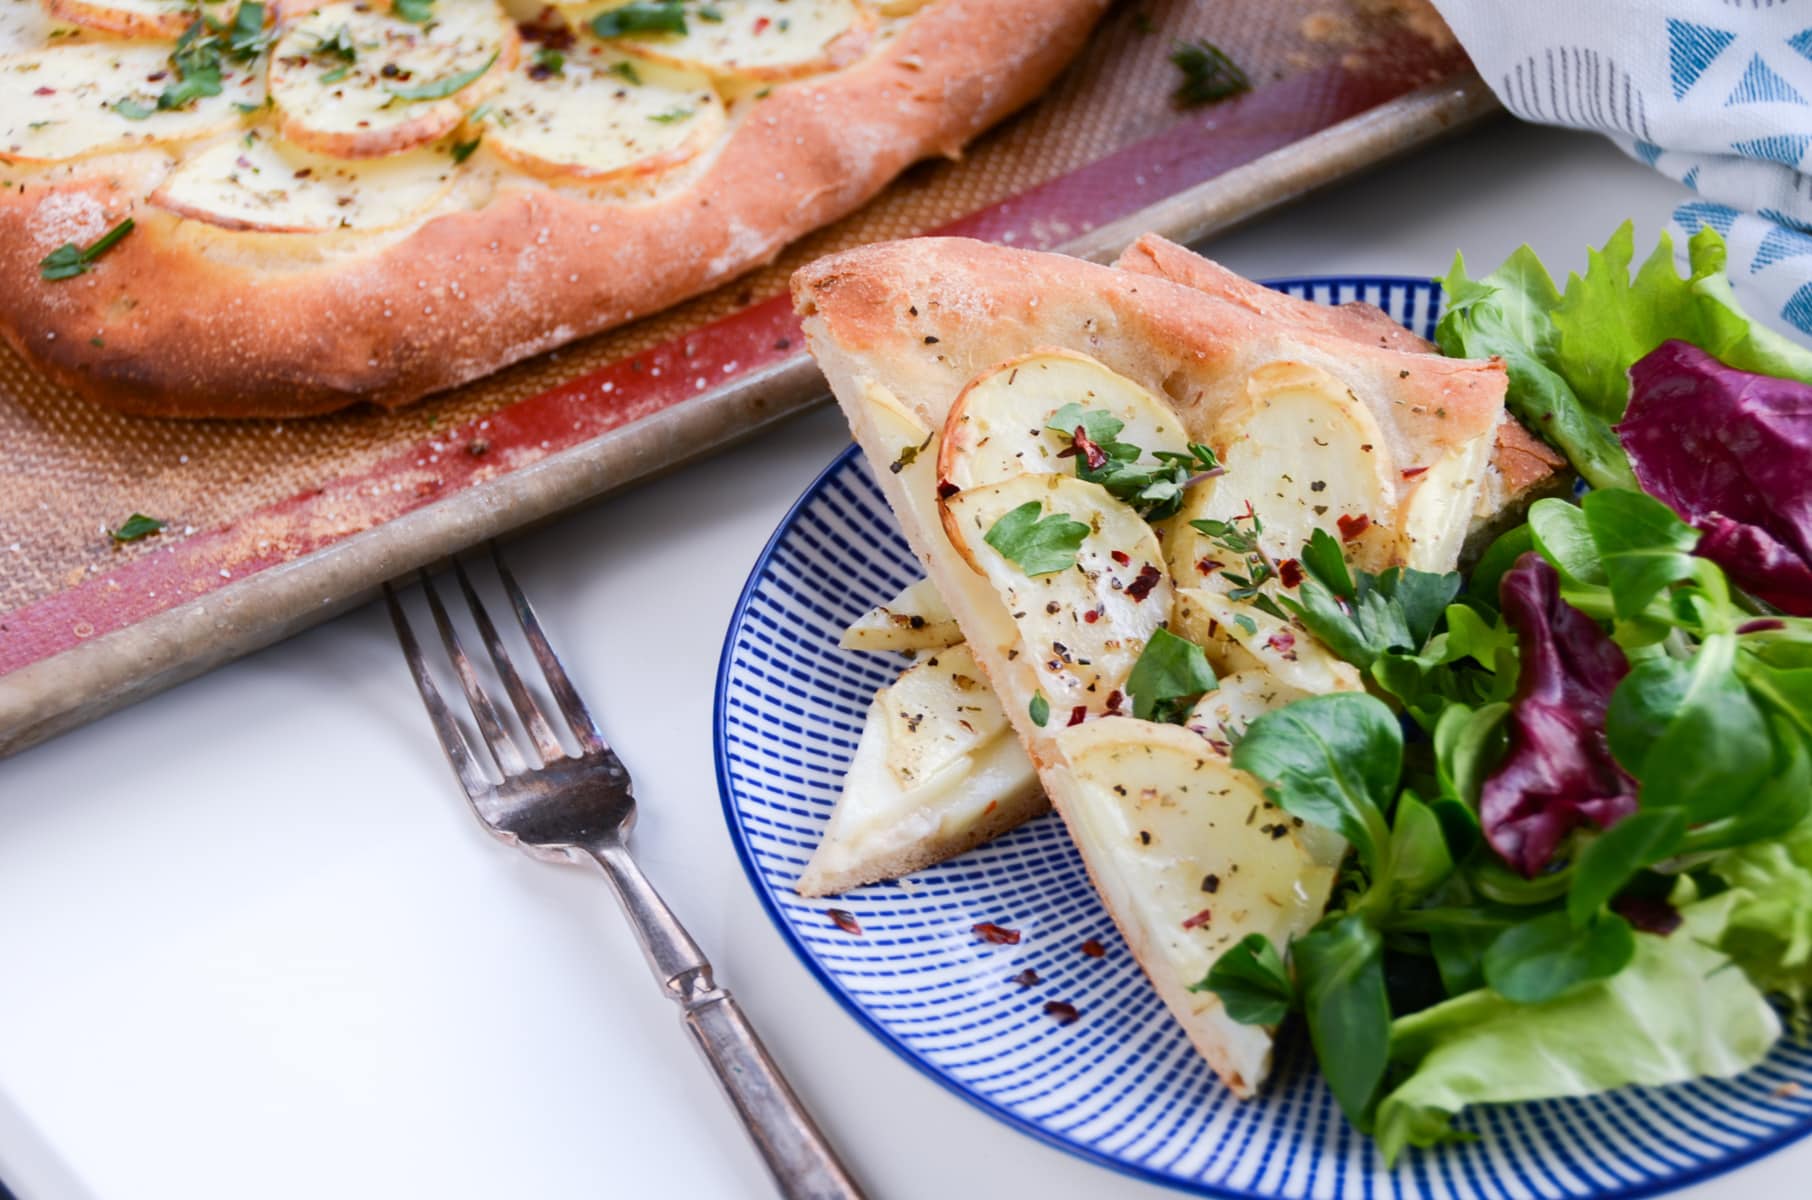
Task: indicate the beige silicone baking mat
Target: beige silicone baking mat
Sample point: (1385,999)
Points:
(257,510)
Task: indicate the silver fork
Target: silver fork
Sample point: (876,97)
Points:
(571,806)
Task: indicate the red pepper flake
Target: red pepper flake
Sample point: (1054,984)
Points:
(1352,527)
(1201,918)
(946,489)
(1115,700)
(845,920)
(1121,557)
(1148,578)
(1289,571)
(1082,444)
(1209,566)
(1062,1013)
(1412,472)
(44,91)
(1078,714)
(761,24)
(1091,616)
(1283,641)
(1026,978)
(1000,935)
(1094,949)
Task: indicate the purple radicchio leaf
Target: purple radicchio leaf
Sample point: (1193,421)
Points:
(1558,771)
(1729,451)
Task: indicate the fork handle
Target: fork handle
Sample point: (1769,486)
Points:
(802,1162)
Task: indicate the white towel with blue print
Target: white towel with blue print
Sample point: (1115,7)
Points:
(1715,93)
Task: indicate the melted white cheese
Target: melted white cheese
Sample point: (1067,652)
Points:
(71,101)
(602,116)
(761,39)
(26,25)
(339,75)
(259,181)
(916,619)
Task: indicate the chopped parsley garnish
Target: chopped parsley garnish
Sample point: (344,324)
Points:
(1208,74)
(1038,545)
(246,37)
(548,61)
(1154,490)
(69,260)
(633,19)
(463,150)
(338,73)
(672,115)
(627,70)
(136,526)
(196,61)
(1171,674)
(337,45)
(708,13)
(132,110)
(440,89)
(416,12)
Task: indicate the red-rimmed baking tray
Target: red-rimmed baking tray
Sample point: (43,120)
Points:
(273,527)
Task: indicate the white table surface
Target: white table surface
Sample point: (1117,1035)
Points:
(253,945)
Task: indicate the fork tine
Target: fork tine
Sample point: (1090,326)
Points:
(503,747)
(445,727)
(577,715)
(546,740)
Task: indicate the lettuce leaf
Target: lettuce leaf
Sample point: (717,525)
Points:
(1507,314)
(1606,321)
(1670,1016)
(1769,933)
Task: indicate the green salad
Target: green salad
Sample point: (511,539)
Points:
(1577,788)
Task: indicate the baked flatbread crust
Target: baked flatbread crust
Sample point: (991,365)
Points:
(184,318)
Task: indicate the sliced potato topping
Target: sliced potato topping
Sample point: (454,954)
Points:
(134,18)
(601,116)
(27,25)
(916,619)
(1237,700)
(753,39)
(1437,513)
(996,429)
(1083,627)
(1305,454)
(261,182)
(357,82)
(936,712)
(1200,858)
(879,825)
(70,101)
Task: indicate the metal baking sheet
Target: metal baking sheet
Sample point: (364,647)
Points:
(275,526)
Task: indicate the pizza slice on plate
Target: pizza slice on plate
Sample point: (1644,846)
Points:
(1109,474)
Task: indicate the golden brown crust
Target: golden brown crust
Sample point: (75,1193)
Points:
(118,21)
(183,319)
(941,846)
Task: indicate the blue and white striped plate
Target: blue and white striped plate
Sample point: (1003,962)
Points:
(1120,1086)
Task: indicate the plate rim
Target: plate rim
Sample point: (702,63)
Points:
(757,883)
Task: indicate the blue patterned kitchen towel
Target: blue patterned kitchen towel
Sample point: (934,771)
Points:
(1715,93)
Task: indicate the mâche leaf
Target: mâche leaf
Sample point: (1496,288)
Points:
(1332,760)
(1038,544)
(1612,859)
(1540,959)
(1340,970)
(1251,982)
